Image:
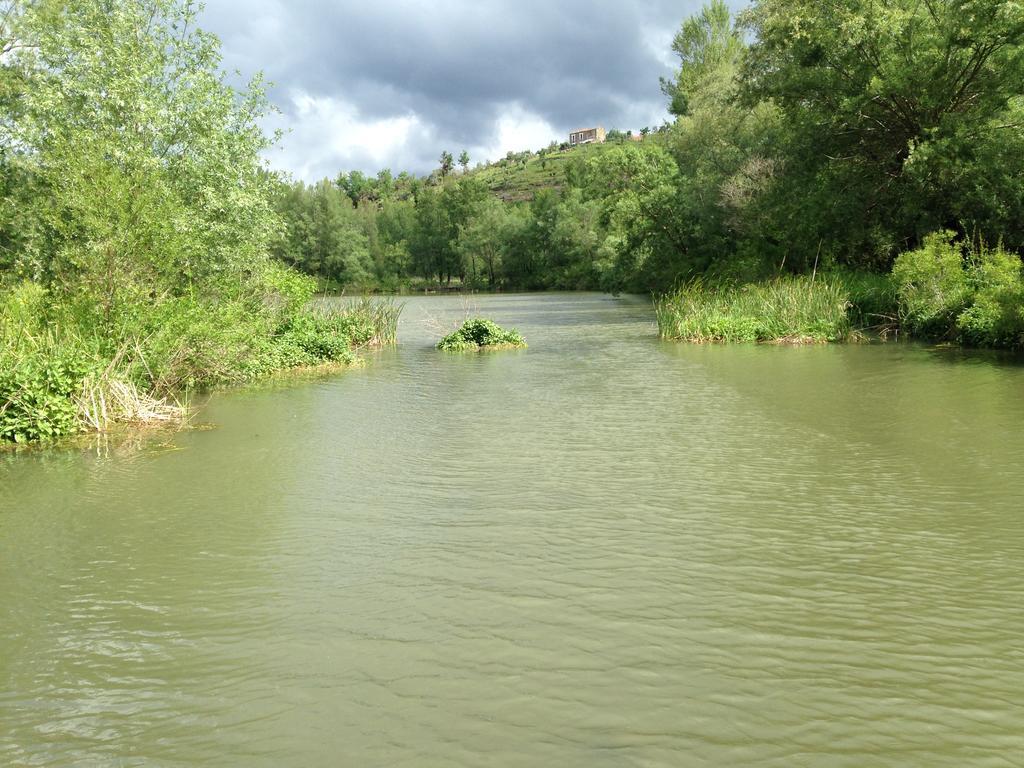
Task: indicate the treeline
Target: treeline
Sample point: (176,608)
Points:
(453,231)
(807,137)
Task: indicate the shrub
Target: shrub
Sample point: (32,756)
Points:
(60,374)
(932,285)
(478,333)
(323,336)
(996,315)
(187,343)
(950,290)
(285,289)
(39,387)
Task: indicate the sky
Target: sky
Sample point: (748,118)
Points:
(371,84)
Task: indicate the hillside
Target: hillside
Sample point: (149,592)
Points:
(520,176)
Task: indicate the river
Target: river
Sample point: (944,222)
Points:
(605,550)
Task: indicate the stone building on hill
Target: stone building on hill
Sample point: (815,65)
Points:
(587,136)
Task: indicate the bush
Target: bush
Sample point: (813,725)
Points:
(323,337)
(996,315)
(40,377)
(60,373)
(971,295)
(39,388)
(478,333)
(932,285)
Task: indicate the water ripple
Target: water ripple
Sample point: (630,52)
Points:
(600,551)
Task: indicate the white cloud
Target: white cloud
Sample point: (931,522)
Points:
(658,42)
(328,134)
(514,130)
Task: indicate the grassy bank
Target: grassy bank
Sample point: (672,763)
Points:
(61,373)
(785,310)
(948,290)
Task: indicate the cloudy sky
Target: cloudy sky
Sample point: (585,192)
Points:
(368,84)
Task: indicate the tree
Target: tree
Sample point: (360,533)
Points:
(709,47)
(901,113)
(355,185)
(385,184)
(146,162)
(483,240)
(648,237)
(325,236)
(446,163)
(431,243)
(464,160)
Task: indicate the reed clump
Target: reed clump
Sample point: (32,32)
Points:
(380,315)
(797,310)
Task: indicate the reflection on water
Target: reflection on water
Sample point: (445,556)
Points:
(603,550)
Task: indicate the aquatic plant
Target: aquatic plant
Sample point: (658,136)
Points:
(381,315)
(480,333)
(787,310)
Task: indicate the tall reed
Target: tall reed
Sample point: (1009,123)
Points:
(382,314)
(789,309)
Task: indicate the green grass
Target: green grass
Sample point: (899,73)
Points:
(519,182)
(380,314)
(785,310)
(874,300)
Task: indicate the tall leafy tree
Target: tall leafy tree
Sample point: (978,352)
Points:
(447,163)
(900,113)
(147,163)
(709,47)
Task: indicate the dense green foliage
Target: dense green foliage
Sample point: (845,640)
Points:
(479,333)
(136,222)
(971,294)
(809,138)
(41,373)
(831,167)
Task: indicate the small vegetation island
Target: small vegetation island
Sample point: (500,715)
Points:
(831,171)
(478,334)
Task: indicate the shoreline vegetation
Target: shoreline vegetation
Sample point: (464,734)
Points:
(842,307)
(809,187)
(135,241)
(55,383)
(945,291)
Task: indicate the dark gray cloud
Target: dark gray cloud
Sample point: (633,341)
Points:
(365,85)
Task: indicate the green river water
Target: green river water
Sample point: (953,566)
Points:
(605,550)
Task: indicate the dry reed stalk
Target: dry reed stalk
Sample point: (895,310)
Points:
(106,400)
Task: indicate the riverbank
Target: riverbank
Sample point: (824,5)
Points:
(793,310)
(947,291)
(62,375)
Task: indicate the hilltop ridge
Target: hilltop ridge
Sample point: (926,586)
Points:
(520,175)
